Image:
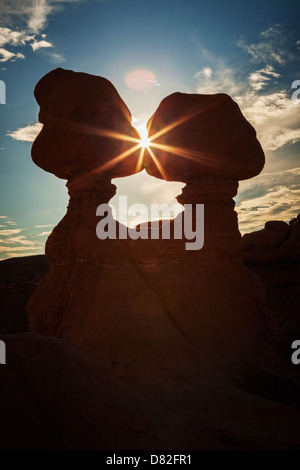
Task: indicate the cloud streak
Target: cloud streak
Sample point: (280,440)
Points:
(274,45)
(278,204)
(267,104)
(27,133)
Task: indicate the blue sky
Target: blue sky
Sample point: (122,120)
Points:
(250,50)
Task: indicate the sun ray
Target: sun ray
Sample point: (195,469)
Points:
(116,135)
(172,126)
(140,160)
(199,157)
(101,132)
(158,164)
(176,123)
(116,159)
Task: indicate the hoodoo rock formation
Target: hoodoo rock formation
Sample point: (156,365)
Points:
(122,298)
(184,328)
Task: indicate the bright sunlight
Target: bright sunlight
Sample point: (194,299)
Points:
(143,131)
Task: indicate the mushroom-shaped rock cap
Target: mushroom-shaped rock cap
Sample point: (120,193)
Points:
(83,117)
(203,134)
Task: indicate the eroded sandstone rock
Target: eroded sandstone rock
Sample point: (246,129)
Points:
(158,315)
(79,111)
(277,241)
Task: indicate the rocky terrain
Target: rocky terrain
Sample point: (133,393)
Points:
(141,343)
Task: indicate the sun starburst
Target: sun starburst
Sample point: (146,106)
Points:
(147,144)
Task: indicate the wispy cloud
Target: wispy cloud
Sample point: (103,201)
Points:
(268,112)
(267,104)
(15,242)
(40,44)
(262,77)
(42,234)
(10,232)
(278,204)
(7,55)
(22,240)
(220,79)
(272,46)
(268,196)
(37,14)
(13,38)
(44,226)
(32,13)
(27,133)
(283,136)
(33,17)
(263,105)
(9,249)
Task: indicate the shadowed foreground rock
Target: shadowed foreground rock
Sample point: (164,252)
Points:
(57,398)
(273,253)
(183,328)
(19,278)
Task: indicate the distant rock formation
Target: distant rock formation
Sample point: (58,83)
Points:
(277,241)
(144,305)
(273,253)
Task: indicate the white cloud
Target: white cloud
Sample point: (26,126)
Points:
(42,226)
(267,113)
(283,137)
(10,232)
(278,204)
(261,77)
(9,249)
(40,44)
(43,234)
(7,55)
(268,196)
(3,217)
(22,240)
(34,13)
(274,45)
(14,38)
(27,133)
(38,13)
(205,72)
(56,58)
(18,254)
(9,37)
(220,80)
(269,108)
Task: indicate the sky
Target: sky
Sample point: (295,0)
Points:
(250,50)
